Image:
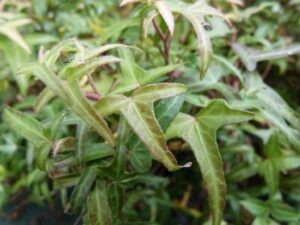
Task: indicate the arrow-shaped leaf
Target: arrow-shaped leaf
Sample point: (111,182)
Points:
(200,133)
(139,113)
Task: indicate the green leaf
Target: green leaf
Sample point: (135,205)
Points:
(283,212)
(119,163)
(26,126)
(165,111)
(84,62)
(72,95)
(97,151)
(134,76)
(261,221)
(9,29)
(116,199)
(271,174)
(273,108)
(83,188)
(42,154)
(200,133)
(138,110)
(16,57)
(250,57)
(99,212)
(256,207)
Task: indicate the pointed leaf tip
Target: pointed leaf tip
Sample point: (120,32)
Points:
(166,14)
(126,2)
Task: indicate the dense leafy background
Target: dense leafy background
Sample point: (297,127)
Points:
(106,153)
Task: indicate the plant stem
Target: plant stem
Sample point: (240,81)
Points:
(166,39)
(92,83)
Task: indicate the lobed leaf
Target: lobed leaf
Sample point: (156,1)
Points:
(139,113)
(200,133)
(72,95)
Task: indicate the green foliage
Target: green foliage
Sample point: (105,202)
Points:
(109,106)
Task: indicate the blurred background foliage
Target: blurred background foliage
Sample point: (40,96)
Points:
(262,171)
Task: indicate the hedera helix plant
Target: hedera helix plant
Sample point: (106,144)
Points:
(117,128)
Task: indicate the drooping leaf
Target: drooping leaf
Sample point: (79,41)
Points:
(139,113)
(165,11)
(26,126)
(99,211)
(200,133)
(195,13)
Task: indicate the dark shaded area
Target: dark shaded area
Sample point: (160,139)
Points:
(32,214)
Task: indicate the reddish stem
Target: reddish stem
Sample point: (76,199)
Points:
(166,39)
(92,96)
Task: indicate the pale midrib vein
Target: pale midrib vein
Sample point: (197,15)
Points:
(79,103)
(32,130)
(216,181)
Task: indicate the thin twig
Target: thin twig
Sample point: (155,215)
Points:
(166,39)
(167,45)
(79,218)
(92,83)
(158,30)
(267,71)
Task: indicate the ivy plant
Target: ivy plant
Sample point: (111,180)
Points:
(118,112)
